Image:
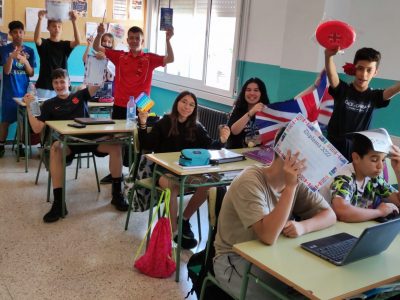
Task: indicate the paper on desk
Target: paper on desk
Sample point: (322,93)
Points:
(58,9)
(95,71)
(322,158)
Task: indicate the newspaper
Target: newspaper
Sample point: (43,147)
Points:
(322,159)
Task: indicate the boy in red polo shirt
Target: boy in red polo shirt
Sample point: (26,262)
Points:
(133,69)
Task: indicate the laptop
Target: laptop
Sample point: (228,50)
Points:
(224,156)
(94,121)
(343,248)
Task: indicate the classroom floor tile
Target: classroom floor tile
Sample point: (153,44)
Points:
(87,255)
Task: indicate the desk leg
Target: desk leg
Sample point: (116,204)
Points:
(180,217)
(64,154)
(19,122)
(26,140)
(245,282)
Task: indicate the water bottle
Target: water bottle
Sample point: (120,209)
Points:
(35,107)
(131,112)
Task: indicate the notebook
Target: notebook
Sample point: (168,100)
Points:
(343,248)
(224,156)
(263,155)
(94,121)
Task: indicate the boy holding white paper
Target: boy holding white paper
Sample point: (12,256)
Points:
(261,203)
(53,52)
(358,192)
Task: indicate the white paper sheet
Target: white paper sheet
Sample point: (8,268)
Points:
(31,14)
(91,29)
(98,8)
(58,10)
(322,158)
(95,71)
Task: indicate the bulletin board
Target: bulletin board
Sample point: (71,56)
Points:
(15,10)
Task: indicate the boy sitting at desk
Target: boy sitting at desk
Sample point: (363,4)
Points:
(66,106)
(357,191)
(260,204)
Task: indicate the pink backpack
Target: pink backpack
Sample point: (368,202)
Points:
(158,260)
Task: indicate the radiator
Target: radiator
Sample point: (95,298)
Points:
(211,118)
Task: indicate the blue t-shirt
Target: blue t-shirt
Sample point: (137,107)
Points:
(15,83)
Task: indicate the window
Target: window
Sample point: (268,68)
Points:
(204,44)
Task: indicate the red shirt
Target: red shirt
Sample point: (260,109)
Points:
(132,74)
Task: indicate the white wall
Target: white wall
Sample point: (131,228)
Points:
(280,32)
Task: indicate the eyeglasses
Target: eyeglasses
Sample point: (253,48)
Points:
(185,102)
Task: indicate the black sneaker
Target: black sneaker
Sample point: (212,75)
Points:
(106,180)
(21,151)
(188,240)
(119,202)
(54,214)
(2,150)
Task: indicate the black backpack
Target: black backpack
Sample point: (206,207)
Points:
(200,264)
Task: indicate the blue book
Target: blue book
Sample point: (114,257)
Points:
(166,18)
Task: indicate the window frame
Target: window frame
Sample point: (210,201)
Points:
(180,83)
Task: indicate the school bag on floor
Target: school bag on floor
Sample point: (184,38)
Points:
(158,260)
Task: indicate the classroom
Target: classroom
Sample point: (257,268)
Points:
(217,47)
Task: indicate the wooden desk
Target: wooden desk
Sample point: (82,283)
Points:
(169,161)
(316,278)
(22,118)
(66,134)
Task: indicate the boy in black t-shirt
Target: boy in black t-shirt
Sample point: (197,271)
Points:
(354,103)
(53,52)
(66,106)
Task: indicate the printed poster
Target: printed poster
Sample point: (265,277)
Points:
(31,15)
(135,9)
(95,71)
(98,8)
(80,6)
(116,30)
(120,9)
(322,159)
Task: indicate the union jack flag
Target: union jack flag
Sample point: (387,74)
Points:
(316,105)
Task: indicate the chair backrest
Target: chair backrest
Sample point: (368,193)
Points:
(211,118)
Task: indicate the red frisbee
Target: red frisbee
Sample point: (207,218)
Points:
(333,34)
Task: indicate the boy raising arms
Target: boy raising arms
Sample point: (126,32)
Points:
(66,106)
(133,69)
(18,62)
(53,52)
(354,103)
(261,204)
(357,191)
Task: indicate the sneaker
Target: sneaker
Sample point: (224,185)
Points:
(21,151)
(119,202)
(2,150)
(106,180)
(55,213)
(188,240)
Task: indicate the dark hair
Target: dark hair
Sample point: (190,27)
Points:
(368,54)
(110,36)
(59,73)
(241,102)
(361,145)
(52,21)
(136,29)
(191,120)
(15,25)
(278,135)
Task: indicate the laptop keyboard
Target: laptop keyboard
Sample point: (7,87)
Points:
(338,250)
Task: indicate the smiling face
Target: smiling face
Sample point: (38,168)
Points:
(252,93)
(135,41)
(107,41)
(185,107)
(61,86)
(365,71)
(370,165)
(17,36)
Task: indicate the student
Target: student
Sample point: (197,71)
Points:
(133,69)
(174,132)
(66,106)
(252,98)
(354,103)
(53,52)
(357,191)
(18,63)
(262,203)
